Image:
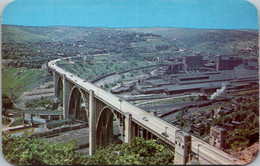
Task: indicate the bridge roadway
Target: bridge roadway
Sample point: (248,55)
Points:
(207,153)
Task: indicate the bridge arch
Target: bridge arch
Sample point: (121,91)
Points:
(78,105)
(105,127)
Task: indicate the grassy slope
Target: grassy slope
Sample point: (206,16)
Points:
(15,81)
(62,33)
(12,34)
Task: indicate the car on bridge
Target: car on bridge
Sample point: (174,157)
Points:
(145,118)
(165,134)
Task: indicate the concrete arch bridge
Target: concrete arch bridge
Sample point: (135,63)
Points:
(102,110)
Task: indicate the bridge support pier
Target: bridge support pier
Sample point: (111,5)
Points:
(55,81)
(128,127)
(133,126)
(182,148)
(144,133)
(137,130)
(67,86)
(92,124)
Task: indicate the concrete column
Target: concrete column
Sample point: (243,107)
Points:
(65,98)
(120,120)
(67,86)
(128,127)
(182,148)
(144,134)
(92,124)
(149,135)
(123,120)
(152,136)
(137,130)
(55,82)
(133,126)
(121,125)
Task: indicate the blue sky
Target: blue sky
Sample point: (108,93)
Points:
(207,14)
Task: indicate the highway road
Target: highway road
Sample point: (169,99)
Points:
(207,153)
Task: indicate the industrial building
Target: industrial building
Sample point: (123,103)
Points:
(227,63)
(194,62)
(174,68)
(175,89)
(191,75)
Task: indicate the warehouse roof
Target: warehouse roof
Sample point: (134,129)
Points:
(193,86)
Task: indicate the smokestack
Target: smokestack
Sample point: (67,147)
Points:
(218,92)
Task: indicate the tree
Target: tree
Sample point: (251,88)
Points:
(138,152)
(33,151)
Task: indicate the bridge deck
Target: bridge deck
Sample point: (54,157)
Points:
(207,153)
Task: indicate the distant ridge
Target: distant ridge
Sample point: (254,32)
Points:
(207,41)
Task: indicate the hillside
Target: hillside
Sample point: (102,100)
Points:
(16,81)
(99,40)
(217,42)
(142,40)
(14,34)
(27,48)
(31,47)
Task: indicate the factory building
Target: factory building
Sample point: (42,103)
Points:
(227,63)
(175,89)
(194,62)
(251,63)
(174,68)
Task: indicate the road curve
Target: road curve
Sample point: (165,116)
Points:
(207,153)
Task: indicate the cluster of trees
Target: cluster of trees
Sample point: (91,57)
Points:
(28,54)
(100,66)
(108,86)
(41,102)
(28,64)
(17,122)
(138,152)
(6,120)
(179,117)
(246,112)
(204,128)
(33,151)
